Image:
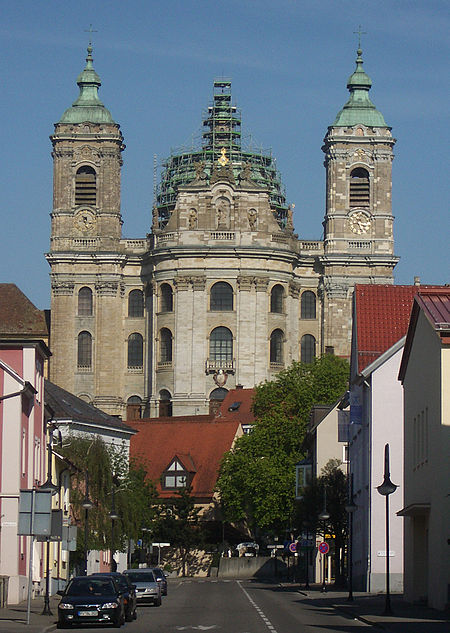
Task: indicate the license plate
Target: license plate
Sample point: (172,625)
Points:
(87,614)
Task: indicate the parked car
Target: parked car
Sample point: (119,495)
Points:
(147,588)
(247,549)
(161,579)
(90,599)
(128,590)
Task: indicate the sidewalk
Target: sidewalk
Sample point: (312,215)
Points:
(14,617)
(368,608)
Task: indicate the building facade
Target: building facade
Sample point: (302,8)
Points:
(221,292)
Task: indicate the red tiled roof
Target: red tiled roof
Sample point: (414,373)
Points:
(201,439)
(435,304)
(242,413)
(18,316)
(382,315)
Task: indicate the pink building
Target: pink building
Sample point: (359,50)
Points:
(23,354)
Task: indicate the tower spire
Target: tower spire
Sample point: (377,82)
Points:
(359,108)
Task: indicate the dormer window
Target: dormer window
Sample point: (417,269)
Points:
(175,476)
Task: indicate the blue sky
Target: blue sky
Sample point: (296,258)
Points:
(289,62)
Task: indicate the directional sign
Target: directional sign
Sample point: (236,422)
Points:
(324,548)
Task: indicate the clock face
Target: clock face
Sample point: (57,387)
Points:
(85,221)
(359,222)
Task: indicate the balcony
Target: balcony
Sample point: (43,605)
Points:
(212,365)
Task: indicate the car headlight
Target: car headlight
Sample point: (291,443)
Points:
(109,605)
(65,605)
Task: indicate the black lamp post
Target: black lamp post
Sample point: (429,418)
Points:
(49,485)
(324,516)
(386,489)
(113,516)
(87,505)
(350,509)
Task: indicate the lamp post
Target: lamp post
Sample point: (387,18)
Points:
(350,509)
(49,485)
(386,489)
(324,516)
(87,505)
(113,516)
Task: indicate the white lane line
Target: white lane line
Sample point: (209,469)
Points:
(260,612)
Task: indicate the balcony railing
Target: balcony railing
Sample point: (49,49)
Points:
(213,365)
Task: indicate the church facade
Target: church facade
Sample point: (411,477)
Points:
(221,292)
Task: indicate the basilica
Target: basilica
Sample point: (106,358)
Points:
(221,291)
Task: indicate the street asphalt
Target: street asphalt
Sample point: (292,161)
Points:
(368,608)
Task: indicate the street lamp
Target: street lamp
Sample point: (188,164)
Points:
(324,516)
(386,489)
(350,509)
(54,489)
(87,505)
(113,516)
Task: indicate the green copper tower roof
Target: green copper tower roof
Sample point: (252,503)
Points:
(88,107)
(359,108)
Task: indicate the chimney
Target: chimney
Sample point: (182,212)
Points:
(417,281)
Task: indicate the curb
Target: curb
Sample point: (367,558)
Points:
(358,617)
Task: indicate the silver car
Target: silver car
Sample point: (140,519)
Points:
(147,587)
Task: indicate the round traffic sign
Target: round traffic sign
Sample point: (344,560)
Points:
(324,548)
(293,547)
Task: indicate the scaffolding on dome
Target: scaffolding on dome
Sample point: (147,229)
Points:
(222,124)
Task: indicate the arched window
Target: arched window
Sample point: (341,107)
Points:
(308,305)
(216,398)
(308,348)
(85,187)
(166,298)
(165,403)
(359,188)
(136,303)
(276,346)
(135,351)
(85,301)
(221,297)
(134,408)
(165,343)
(221,344)
(84,350)
(276,299)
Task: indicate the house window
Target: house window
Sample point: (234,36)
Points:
(134,408)
(85,187)
(221,297)
(85,302)
(135,351)
(166,345)
(276,299)
(359,188)
(175,476)
(216,398)
(308,348)
(276,346)
(308,305)
(84,350)
(165,403)
(221,344)
(166,298)
(136,303)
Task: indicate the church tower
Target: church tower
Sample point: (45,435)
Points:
(358,225)
(85,259)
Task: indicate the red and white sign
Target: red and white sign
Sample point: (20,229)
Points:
(324,548)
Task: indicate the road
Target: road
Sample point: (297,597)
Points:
(233,606)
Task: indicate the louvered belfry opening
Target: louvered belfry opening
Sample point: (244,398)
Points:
(85,187)
(359,188)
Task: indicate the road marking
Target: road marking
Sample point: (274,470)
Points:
(200,627)
(260,612)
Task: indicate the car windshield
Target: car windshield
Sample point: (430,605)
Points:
(141,576)
(120,581)
(90,587)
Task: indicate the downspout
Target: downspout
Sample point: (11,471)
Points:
(368,399)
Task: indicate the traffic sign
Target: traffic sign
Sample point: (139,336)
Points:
(324,548)
(293,547)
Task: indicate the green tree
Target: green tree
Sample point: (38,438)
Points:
(177,523)
(102,469)
(257,477)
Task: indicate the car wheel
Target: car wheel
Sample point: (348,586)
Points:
(129,617)
(135,615)
(158,602)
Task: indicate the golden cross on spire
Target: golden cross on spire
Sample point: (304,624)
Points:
(223,160)
(90,30)
(359,33)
